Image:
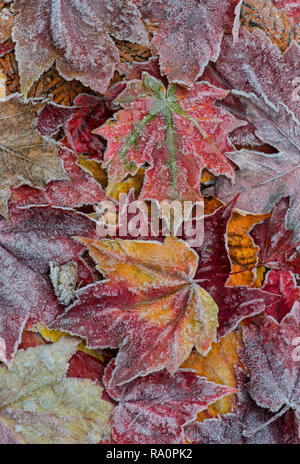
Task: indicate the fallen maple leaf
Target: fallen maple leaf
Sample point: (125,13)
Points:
(189,33)
(230,428)
(283,283)
(79,120)
(177,131)
(264,179)
(28,243)
(268,357)
(25,156)
(75,34)
(214,268)
(150,306)
(154,409)
(38,404)
(275,240)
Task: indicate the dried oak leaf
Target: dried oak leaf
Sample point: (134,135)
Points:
(189,33)
(269,359)
(154,409)
(75,34)
(274,240)
(230,428)
(28,242)
(25,156)
(149,306)
(178,132)
(40,405)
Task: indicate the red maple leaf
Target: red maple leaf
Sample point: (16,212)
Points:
(234,427)
(156,322)
(78,121)
(189,33)
(284,284)
(77,36)
(155,408)
(269,357)
(178,132)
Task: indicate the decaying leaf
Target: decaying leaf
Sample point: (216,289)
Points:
(39,404)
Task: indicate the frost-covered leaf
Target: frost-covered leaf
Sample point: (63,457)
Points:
(275,240)
(149,307)
(154,409)
(79,120)
(292,7)
(178,132)
(214,268)
(256,65)
(6,24)
(247,416)
(283,283)
(152,307)
(269,358)
(264,179)
(270,17)
(28,242)
(189,33)
(77,35)
(40,405)
(79,190)
(64,280)
(218,366)
(25,156)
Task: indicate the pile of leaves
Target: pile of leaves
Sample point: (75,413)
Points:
(149,340)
